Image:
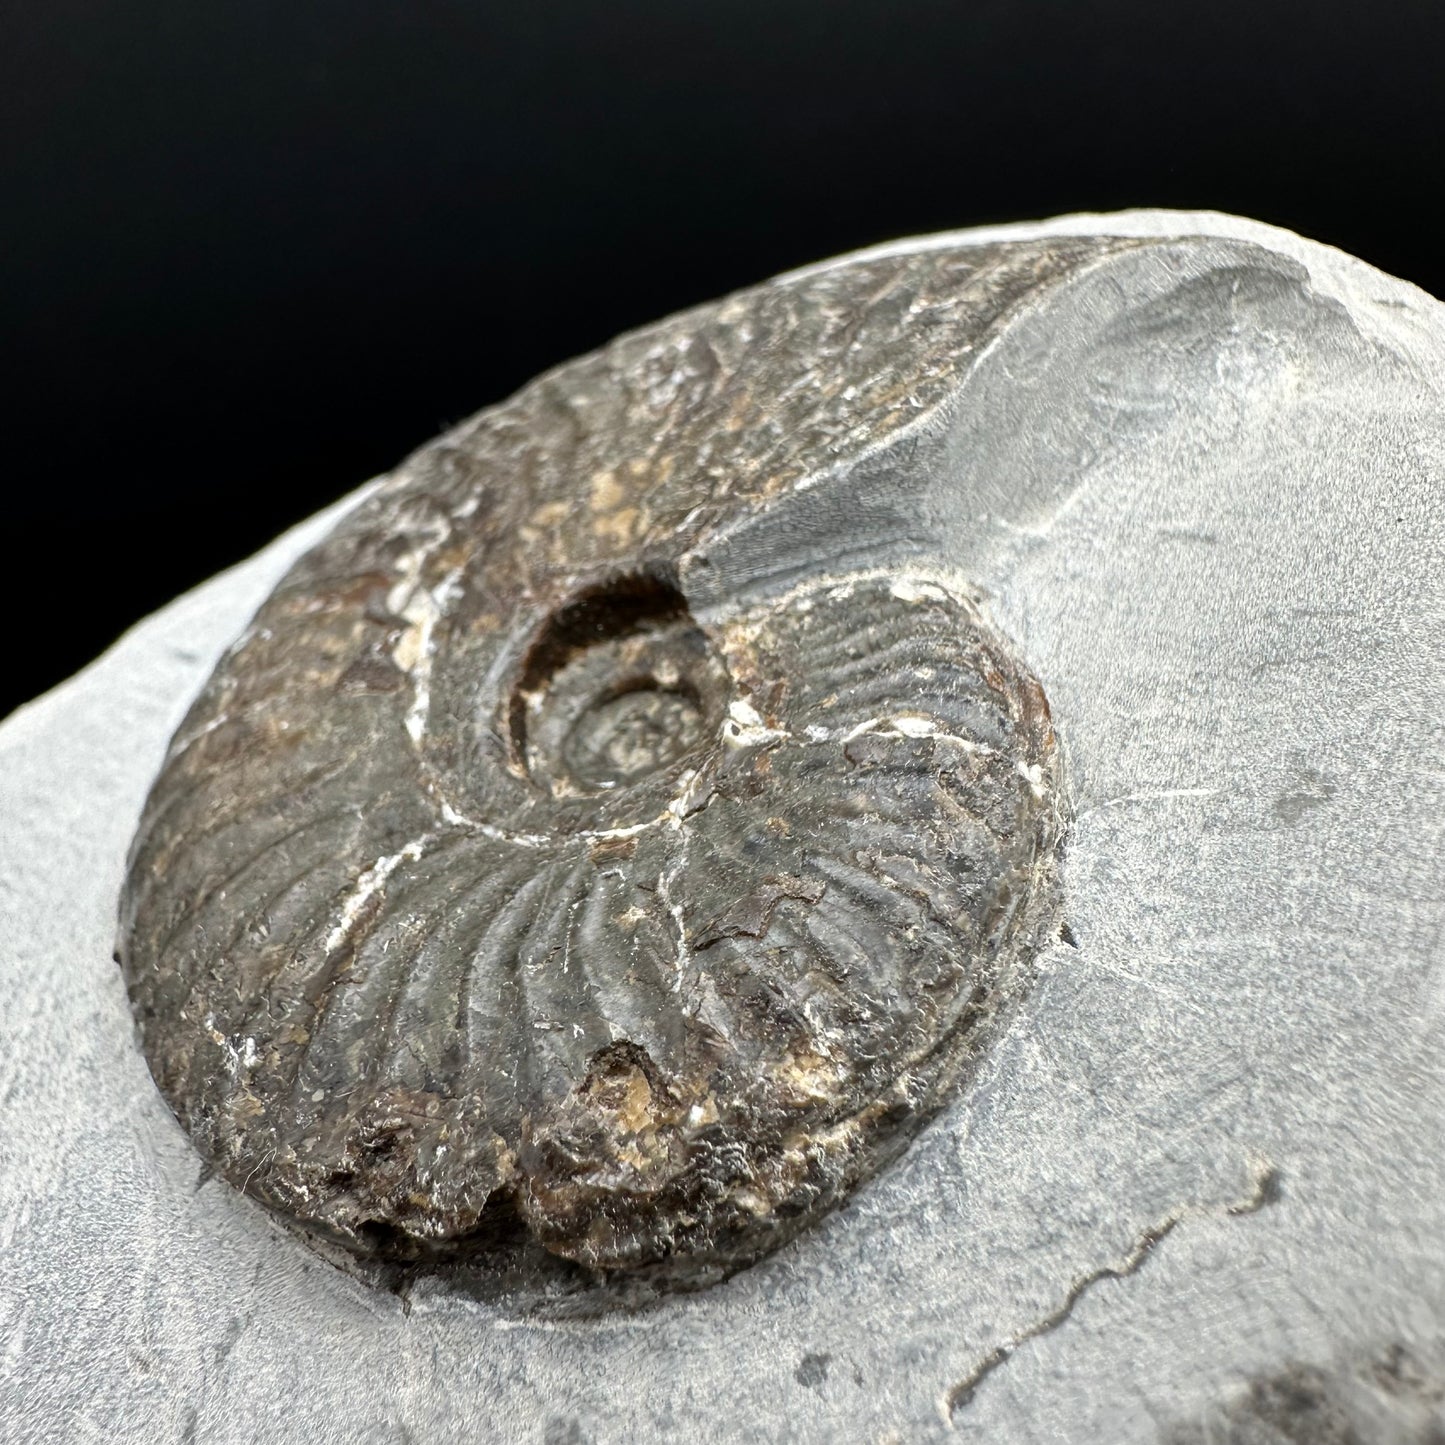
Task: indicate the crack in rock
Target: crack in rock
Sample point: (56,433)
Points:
(1266,1191)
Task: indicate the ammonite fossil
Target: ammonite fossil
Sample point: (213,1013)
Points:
(516,869)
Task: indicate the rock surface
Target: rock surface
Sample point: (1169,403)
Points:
(1196,1193)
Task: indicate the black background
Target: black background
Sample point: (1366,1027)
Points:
(254,251)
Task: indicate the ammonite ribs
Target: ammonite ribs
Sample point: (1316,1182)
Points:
(491,876)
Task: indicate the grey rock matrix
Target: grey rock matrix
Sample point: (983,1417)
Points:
(1193,1191)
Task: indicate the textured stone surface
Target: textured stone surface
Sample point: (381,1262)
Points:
(1195,1193)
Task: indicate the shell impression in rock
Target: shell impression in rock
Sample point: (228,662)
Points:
(510,869)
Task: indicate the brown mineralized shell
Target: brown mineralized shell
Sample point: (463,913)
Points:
(510,867)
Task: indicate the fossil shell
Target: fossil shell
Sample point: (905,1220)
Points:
(508,868)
